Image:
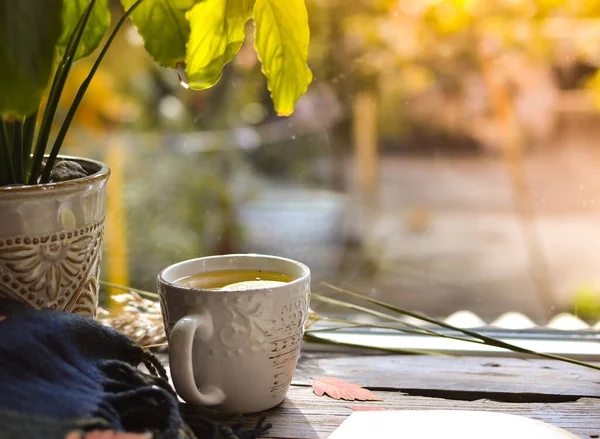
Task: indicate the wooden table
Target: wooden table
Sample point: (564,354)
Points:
(565,395)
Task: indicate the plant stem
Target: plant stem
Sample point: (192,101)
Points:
(313,339)
(28,134)
(420,329)
(10,130)
(18,151)
(4,177)
(349,324)
(406,312)
(146,294)
(479,337)
(6,154)
(58,83)
(81,92)
(353,324)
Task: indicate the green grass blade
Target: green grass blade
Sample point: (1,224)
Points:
(315,339)
(404,312)
(418,329)
(421,317)
(58,84)
(146,294)
(353,324)
(480,338)
(18,151)
(81,92)
(6,155)
(10,131)
(28,135)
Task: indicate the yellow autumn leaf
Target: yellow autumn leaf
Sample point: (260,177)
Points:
(281,41)
(217,34)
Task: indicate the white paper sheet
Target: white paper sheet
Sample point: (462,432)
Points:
(444,424)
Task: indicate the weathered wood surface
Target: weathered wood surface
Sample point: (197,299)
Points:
(561,394)
(304,415)
(424,375)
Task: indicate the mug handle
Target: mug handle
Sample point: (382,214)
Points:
(180,360)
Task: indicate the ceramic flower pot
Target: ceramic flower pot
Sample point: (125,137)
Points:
(51,241)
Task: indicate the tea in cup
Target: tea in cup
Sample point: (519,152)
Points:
(234,325)
(233,280)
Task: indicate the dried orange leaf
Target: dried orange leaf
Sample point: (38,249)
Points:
(340,389)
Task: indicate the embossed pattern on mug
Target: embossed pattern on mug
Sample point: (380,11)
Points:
(285,341)
(58,271)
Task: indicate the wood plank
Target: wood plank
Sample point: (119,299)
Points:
(304,415)
(501,377)
(532,388)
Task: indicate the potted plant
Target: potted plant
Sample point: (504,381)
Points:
(51,206)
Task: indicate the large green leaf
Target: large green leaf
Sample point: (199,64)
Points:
(184,4)
(217,33)
(163,27)
(28,34)
(95,29)
(282,36)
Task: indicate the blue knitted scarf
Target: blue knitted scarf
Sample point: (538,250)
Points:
(66,375)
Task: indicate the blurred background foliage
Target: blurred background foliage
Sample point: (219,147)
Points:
(430,51)
(446,78)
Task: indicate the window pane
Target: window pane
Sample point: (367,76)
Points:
(444,158)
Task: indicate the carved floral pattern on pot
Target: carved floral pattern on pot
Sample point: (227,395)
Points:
(56,271)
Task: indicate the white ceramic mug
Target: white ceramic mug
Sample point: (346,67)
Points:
(234,350)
